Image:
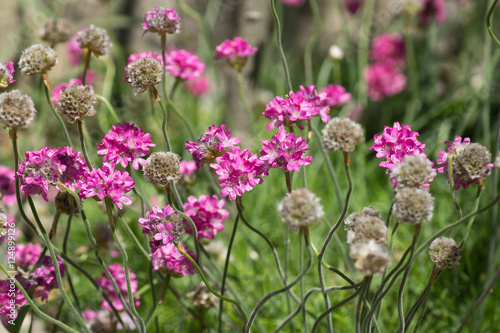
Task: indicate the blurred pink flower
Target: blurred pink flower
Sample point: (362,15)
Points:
(7,186)
(433,10)
(207,215)
(6,74)
(161,20)
(388,49)
(235,51)
(383,81)
(198,86)
(183,64)
(336,95)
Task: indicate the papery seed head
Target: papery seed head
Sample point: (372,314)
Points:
(162,168)
(414,171)
(16,109)
(413,205)
(76,102)
(95,40)
(143,73)
(445,253)
(55,31)
(37,59)
(342,134)
(301,208)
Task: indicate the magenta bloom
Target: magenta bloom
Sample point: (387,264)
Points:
(388,49)
(170,259)
(11,300)
(27,255)
(235,52)
(336,95)
(56,91)
(7,186)
(125,143)
(108,182)
(353,5)
(183,64)
(119,276)
(75,53)
(198,86)
(207,214)
(6,74)
(163,226)
(433,10)
(284,151)
(161,20)
(44,277)
(187,169)
(383,81)
(294,3)
(216,141)
(238,171)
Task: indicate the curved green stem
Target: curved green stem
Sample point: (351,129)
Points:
(180,115)
(452,188)
(57,115)
(471,220)
(164,124)
(279,44)
(109,106)
(86,66)
(488,23)
(79,124)
(195,232)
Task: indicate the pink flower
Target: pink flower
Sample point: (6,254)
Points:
(383,81)
(161,20)
(183,64)
(119,276)
(284,151)
(7,186)
(56,91)
(163,226)
(238,171)
(198,86)
(336,95)
(44,277)
(353,5)
(187,169)
(294,3)
(216,141)
(106,182)
(125,143)
(235,52)
(11,300)
(170,259)
(135,56)
(388,49)
(207,215)
(6,74)
(75,53)
(433,9)
(27,255)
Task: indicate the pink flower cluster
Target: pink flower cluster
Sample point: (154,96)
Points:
(168,258)
(198,86)
(11,300)
(56,91)
(336,95)
(298,107)
(119,276)
(216,141)
(161,226)
(7,186)
(384,77)
(161,20)
(125,143)
(433,10)
(108,182)
(44,277)
(6,74)
(187,169)
(238,171)
(47,166)
(183,64)
(75,53)
(394,144)
(284,151)
(207,215)
(27,255)
(235,51)
(453,148)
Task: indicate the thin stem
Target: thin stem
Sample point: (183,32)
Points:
(244,101)
(301,285)
(280,46)
(226,267)
(163,292)
(488,23)
(471,221)
(164,123)
(79,124)
(57,115)
(256,310)
(109,106)
(195,232)
(88,54)
(34,307)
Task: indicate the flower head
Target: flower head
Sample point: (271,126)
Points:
(216,141)
(27,255)
(413,205)
(366,228)
(207,215)
(183,64)
(371,257)
(125,143)
(342,134)
(95,40)
(76,102)
(56,91)
(75,53)
(108,182)
(6,74)
(187,169)
(383,81)
(37,59)
(235,51)
(414,171)
(352,219)
(388,49)
(168,259)
(445,253)
(238,171)
(433,10)
(143,73)
(198,86)
(7,186)
(163,226)
(202,297)
(16,109)
(285,151)
(55,31)
(336,95)
(162,21)
(65,202)
(119,276)
(162,168)
(301,208)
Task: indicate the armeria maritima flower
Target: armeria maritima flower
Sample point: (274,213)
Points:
(125,143)
(300,209)
(433,10)
(7,186)
(162,168)
(285,151)
(183,64)
(37,59)
(163,226)
(169,260)
(162,21)
(55,31)
(76,102)
(235,51)
(11,300)
(95,40)
(207,215)
(342,134)
(370,257)
(6,74)
(216,141)
(413,171)
(144,73)
(388,49)
(413,205)
(383,81)
(336,95)
(445,253)
(119,276)
(27,255)
(56,91)
(16,109)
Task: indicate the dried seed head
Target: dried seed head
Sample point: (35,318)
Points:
(4,222)
(143,73)
(472,162)
(95,40)
(162,168)
(63,203)
(414,171)
(202,297)
(16,110)
(413,205)
(37,59)
(76,102)
(367,228)
(371,257)
(55,31)
(445,253)
(162,21)
(342,134)
(352,219)
(301,208)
